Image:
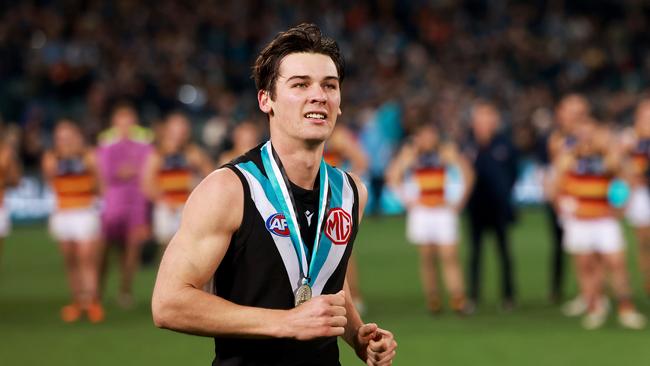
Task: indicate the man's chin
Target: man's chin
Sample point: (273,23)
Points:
(317,137)
(315,141)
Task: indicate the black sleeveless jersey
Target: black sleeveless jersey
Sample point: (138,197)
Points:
(261,267)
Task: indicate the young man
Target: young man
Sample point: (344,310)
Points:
(593,235)
(70,169)
(279,300)
(170,174)
(418,173)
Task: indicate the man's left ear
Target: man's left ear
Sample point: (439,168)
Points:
(340,112)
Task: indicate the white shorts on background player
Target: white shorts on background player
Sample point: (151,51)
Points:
(80,224)
(432,225)
(637,211)
(602,235)
(5,223)
(166,221)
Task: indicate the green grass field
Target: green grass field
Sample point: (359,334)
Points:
(33,288)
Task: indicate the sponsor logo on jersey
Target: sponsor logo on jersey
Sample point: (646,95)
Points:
(338,226)
(277,225)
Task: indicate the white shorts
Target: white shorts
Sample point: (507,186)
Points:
(166,221)
(637,211)
(592,236)
(432,225)
(5,223)
(81,224)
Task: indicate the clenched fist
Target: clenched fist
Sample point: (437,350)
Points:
(376,346)
(322,316)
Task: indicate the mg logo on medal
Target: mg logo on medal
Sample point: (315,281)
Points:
(277,224)
(338,226)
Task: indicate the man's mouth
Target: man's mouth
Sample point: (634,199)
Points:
(316,115)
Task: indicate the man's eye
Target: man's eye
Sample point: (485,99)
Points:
(331,86)
(300,85)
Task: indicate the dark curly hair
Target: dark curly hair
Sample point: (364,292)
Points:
(305,37)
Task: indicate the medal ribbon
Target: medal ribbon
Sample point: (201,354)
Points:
(281,187)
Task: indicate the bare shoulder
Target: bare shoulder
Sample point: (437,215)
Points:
(217,200)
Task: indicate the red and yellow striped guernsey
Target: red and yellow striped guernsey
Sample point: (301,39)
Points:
(175,180)
(74,186)
(431,181)
(589,189)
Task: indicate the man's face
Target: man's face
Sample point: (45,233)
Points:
(307,97)
(67,140)
(123,119)
(177,131)
(586,136)
(426,138)
(572,111)
(485,121)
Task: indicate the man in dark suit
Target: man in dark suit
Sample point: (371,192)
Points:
(490,205)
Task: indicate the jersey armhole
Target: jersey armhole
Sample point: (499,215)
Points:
(355,204)
(244,226)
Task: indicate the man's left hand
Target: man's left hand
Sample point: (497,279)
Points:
(376,346)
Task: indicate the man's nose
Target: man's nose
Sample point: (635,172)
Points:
(318,95)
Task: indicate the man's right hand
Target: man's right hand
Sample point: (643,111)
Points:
(322,316)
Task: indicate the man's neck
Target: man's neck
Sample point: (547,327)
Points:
(301,160)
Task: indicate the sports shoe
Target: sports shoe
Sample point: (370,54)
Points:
(95,312)
(459,305)
(575,307)
(596,318)
(71,313)
(631,319)
(434,306)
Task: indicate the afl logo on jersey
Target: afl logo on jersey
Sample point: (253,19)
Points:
(277,225)
(338,226)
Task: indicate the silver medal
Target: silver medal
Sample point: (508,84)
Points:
(303,294)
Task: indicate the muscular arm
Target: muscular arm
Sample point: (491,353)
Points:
(212,214)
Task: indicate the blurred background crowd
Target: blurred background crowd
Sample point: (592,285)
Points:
(407,61)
